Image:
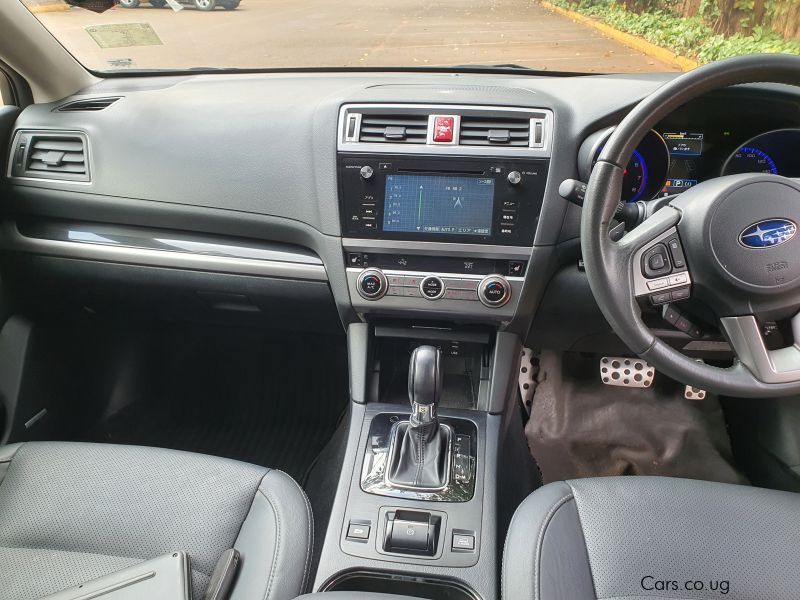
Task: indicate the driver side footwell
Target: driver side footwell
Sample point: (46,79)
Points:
(580,427)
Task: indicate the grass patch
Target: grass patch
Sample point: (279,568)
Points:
(686,36)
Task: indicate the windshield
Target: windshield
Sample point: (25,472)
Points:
(585,36)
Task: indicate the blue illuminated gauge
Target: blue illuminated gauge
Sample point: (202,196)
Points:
(749,159)
(646,171)
(634,181)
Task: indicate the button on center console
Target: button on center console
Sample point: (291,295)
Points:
(432,287)
(372,284)
(494,291)
(411,532)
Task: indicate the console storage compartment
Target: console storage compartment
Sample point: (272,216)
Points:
(431,588)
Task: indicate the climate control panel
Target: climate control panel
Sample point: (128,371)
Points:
(492,291)
(435,285)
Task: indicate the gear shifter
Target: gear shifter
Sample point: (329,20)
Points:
(419,455)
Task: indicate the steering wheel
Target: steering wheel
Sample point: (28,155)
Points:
(732,242)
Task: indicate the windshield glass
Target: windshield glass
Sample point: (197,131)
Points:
(586,36)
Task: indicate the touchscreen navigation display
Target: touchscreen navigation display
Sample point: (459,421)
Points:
(438,204)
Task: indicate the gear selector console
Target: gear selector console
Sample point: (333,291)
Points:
(420,456)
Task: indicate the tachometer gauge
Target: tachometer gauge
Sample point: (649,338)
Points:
(634,181)
(749,159)
(645,173)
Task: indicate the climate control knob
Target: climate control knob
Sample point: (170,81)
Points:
(494,291)
(371,284)
(432,287)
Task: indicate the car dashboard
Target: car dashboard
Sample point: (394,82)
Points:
(321,200)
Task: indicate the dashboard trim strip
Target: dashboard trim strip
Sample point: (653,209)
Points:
(437,248)
(12,239)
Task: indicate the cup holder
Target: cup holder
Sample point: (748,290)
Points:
(429,588)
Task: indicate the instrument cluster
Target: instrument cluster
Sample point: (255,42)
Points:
(711,137)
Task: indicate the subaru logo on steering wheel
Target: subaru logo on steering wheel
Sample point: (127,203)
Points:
(768,233)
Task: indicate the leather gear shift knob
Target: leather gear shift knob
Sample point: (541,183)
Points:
(425,376)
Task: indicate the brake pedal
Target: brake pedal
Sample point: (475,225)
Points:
(626,372)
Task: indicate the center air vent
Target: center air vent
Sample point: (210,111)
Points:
(397,129)
(47,155)
(491,131)
(88,105)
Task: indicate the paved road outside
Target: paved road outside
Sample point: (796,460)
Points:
(347,33)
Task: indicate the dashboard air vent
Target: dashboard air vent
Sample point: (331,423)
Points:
(88,105)
(495,131)
(397,129)
(50,155)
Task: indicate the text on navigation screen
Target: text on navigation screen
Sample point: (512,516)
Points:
(438,204)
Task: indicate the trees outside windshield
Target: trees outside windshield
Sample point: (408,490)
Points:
(587,36)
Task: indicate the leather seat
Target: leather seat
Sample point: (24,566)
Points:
(651,537)
(70,512)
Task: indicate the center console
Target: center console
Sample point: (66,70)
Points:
(439,206)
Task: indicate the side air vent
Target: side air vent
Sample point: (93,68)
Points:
(396,129)
(491,131)
(88,105)
(50,155)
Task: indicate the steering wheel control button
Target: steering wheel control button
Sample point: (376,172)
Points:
(681,322)
(675,250)
(679,279)
(372,284)
(358,531)
(657,284)
(661,298)
(681,294)
(494,291)
(432,287)
(656,262)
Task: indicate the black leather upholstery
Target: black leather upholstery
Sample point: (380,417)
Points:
(649,537)
(72,512)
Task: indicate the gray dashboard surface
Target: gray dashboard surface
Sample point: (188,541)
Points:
(265,144)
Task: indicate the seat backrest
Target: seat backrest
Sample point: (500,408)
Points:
(648,537)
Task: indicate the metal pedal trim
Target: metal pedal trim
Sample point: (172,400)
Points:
(623,371)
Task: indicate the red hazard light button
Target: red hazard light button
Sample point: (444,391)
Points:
(443,129)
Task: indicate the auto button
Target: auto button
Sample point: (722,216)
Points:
(494,291)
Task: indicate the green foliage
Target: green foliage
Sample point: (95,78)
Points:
(687,36)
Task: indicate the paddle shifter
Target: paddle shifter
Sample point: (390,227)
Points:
(419,455)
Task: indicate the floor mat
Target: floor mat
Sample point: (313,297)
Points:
(580,427)
(265,399)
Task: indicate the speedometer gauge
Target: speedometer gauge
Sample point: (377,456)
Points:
(774,152)
(749,159)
